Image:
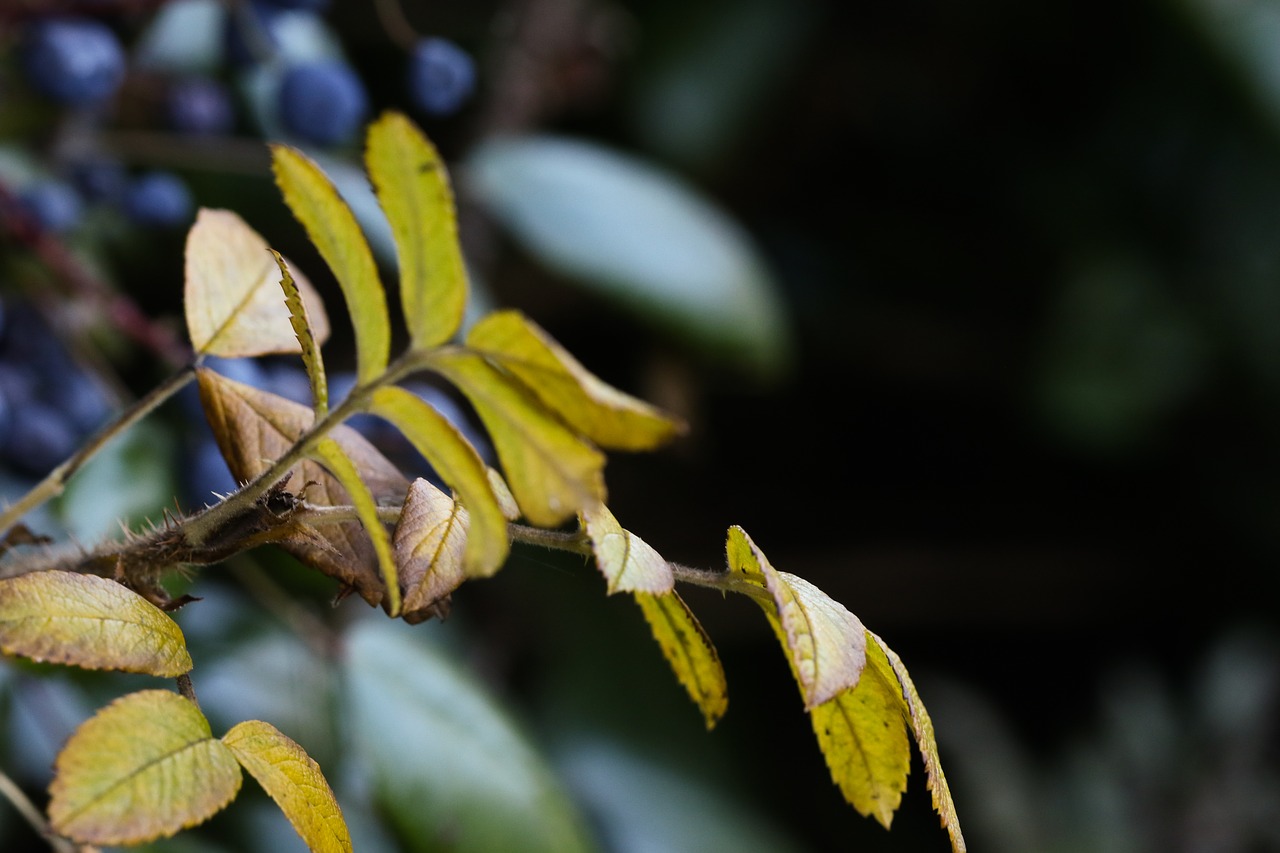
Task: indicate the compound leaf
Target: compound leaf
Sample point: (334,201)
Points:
(294,781)
(553,473)
(333,229)
(430,540)
(90,622)
(598,411)
(144,767)
(688,650)
(628,563)
(413,189)
(459,465)
(303,330)
(230,296)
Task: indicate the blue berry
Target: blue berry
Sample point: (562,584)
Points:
(74,61)
(158,199)
(200,106)
(250,33)
(441,76)
(39,438)
(54,205)
(323,102)
(100,179)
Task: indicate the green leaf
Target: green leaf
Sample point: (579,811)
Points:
(336,234)
(413,188)
(627,562)
(689,651)
(294,781)
(430,540)
(330,454)
(90,622)
(640,236)
(922,727)
(552,473)
(231,297)
(598,411)
(459,465)
(144,767)
(447,766)
(303,331)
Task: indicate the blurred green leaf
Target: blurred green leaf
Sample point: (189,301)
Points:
(447,765)
(639,235)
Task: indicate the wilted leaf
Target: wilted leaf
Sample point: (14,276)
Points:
(336,234)
(627,562)
(429,542)
(922,726)
(598,411)
(552,473)
(459,465)
(88,621)
(303,330)
(825,643)
(254,427)
(863,736)
(689,651)
(413,188)
(446,765)
(294,781)
(329,454)
(232,296)
(144,767)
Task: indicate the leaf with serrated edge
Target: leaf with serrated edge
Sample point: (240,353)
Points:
(255,427)
(922,727)
(293,779)
(825,643)
(597,410)
(413,190)
(333,229)
(862,733)
(330,454)
(429,540)
(231,297)
(303,331)
(552,473)
(689,651)
(90,622)
(628,563)
(142,768)
(459,465)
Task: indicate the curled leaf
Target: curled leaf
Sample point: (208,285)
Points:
(90,622)
(142,768)
(231,294)
(628,563)
(304,331)
(293,779)
(430,539)
(688,650)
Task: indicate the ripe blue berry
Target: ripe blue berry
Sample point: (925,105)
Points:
(100,179)
(323,102)
(441,76)
(54,205)
(158,198)
(73,61)
(200,106)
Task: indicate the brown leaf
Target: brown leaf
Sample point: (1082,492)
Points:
(430,542)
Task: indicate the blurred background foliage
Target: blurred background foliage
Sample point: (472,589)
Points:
(973,310)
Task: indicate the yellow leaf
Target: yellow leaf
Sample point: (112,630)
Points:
(627,562)
(430,540)
(231,296)
(333,229)
(458,464)
(825,643)
(413,189)
(863,736)
(922,727)
(88,621)
(293,779)
(598,411)
(300,319)
(552,473)
(255,427)
(331,455)
(142,768)
(501,491)
(689,651)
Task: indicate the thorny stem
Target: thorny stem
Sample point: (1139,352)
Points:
(11,792)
